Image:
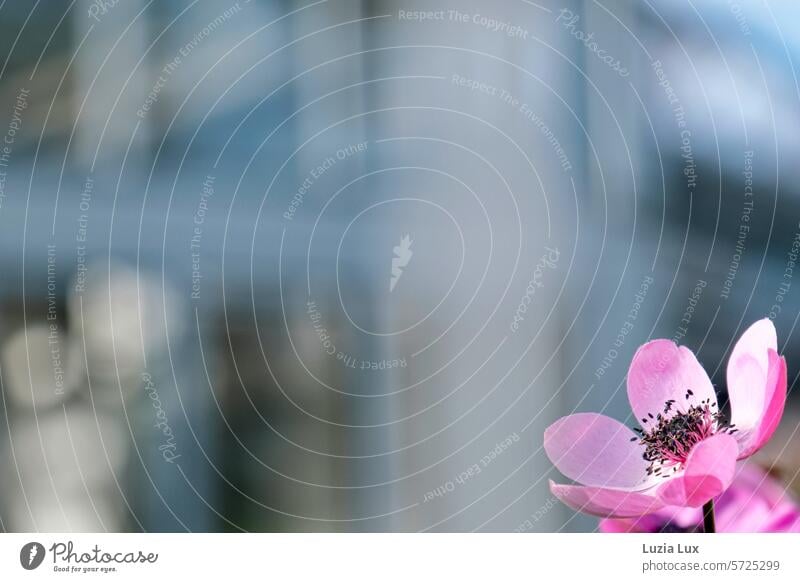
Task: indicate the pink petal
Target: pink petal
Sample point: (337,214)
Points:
(755,341)
(772,408)
(662,371)
(789,522)
(754,502)
(751,515)
(748,368)
(708,472)
(747,392)
(606,502)
(593,449)
(673,516)
(611,525)
(751,478)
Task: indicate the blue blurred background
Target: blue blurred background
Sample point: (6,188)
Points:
(335,265)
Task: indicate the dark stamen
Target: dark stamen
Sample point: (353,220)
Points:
(669,441)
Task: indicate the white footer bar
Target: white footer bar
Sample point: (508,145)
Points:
(354,557)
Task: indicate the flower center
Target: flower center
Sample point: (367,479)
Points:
(669,441)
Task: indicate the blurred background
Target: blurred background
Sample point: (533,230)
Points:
(335,265)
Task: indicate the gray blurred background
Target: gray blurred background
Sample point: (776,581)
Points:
(335,265)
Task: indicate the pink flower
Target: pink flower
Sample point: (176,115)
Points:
(753,503)
(684,454)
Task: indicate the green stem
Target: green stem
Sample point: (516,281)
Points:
(708,517)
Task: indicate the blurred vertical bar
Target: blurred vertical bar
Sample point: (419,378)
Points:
(110,41)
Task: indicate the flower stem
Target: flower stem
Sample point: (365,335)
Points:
(708,517)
